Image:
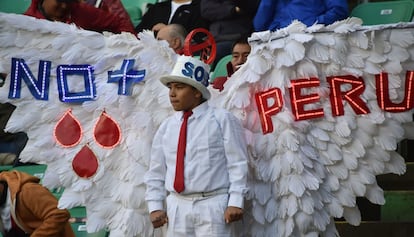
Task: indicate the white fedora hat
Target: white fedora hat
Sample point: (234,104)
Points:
(190,71)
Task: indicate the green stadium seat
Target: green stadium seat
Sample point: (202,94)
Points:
(221,68)
(5,167)
(376,13)
(35,170)
(78,212)
(14,6)
(57,192)
(136,8)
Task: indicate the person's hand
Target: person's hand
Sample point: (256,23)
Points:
(233,214)
(158,218)
(158,27)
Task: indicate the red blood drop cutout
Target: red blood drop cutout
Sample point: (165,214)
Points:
(107,132)
(85,164)
(68,131)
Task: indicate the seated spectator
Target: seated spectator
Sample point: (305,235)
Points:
(115,7)
(175,35)
(81,14)
(29,209)
(229,20)
(273,15)
(240,51)
(183,12)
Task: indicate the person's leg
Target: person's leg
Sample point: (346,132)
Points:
(209,217)
(180,217)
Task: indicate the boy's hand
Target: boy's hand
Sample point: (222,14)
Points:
(233,214)
(158,218)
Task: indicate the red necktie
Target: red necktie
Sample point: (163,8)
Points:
(179,166)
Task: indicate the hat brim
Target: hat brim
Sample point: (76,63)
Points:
(169,78)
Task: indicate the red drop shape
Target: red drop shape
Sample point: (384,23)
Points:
(85,164)
(107,132)
(68,131)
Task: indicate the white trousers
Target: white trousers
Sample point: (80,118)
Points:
(197,216)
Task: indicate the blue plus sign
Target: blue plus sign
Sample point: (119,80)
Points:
(126,77)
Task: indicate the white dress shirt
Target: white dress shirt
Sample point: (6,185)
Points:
(215,158)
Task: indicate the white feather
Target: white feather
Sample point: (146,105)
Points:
(320,219)
(398,54)
(69,199)
(393,66)
(319,53)
(288,140)
(356,185)
(258,213)
(335,208)
(402,38)
(262,192)
(375,194)
(352,215)
(303,221)
(372,68)
(307,204)
(346,197)
(271,210)
(242,99)
(311,181)
(396,164)
(258,65)
(292,53)
(296,186)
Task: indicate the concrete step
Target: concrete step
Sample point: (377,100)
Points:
(376,229)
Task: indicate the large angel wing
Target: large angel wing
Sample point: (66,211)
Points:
(305,173)
(113,190)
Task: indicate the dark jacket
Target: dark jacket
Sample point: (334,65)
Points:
(187,15)
(225,23)
(88,18)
